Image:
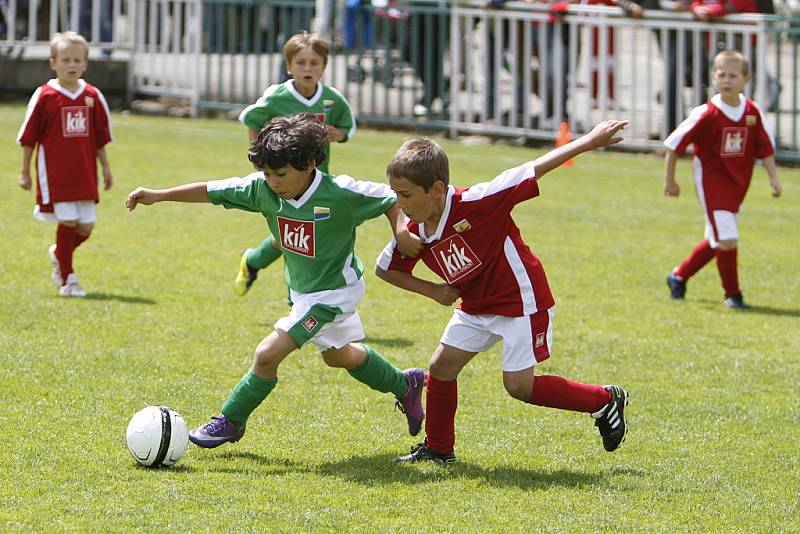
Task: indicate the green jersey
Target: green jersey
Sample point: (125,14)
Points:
(328,104)
(317,231)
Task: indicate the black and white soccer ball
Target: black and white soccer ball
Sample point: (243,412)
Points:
(157,436)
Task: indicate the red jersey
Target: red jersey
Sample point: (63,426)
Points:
(478,249)
(67,129)
(727,141)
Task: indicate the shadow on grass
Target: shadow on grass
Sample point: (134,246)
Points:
(119,298)
(762,310)
(380,468)
(392,342)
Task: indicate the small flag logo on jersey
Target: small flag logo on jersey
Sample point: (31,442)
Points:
(750,120)
(89,101)
(327,104)
(321,213)
(462,226)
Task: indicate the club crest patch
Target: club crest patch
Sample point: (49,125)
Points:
(321,213)
(454,258)
(310,323)
(297,236)
(320,117)
(462,226)
(750,120)
(89,101)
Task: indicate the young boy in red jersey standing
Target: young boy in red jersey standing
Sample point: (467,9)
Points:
(729,133)
(68,120)
(472,242)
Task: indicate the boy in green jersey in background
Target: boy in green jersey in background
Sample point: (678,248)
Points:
(315,216)
(306,57)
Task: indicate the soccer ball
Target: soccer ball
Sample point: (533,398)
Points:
(157,436)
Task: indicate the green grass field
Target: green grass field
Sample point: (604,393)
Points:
(714,418)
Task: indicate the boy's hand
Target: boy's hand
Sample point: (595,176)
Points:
(334,134)
(671,188)
(25,181)
(444,294)
(140,195)
(776,187)
(605,133)
(108,181)
(408,244)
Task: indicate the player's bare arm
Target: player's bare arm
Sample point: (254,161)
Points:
(671,188)
(108,180)
(439,292)
(407,243)
(335,135)
(196,192)
(769,164)
(604,134)
(25,175)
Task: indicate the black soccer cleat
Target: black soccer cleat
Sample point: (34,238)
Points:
(736,302)
(610,420)
(677,286)
(421,453)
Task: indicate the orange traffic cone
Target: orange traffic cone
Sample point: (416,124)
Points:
(562,139)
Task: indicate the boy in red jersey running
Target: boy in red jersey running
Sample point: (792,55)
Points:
(729,133)
(472,242)
(68,119)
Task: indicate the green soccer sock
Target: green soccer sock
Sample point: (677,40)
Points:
(246,396)
(263,255)
(379,374)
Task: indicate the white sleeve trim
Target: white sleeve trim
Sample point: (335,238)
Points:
(233,183)
(258,103)
(507,179)
(362,187)
(385,257)
(674,139)
(28,112)
(102,98)
(352,131)
(766,126)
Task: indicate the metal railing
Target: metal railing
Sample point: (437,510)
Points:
(454,66)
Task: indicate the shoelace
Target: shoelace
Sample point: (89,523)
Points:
(216,424)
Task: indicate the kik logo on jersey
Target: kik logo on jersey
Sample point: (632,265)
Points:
(297,236)
(455,258)
(733,141)
(75,121)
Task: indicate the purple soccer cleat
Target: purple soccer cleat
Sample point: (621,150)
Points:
(411,403)
(215,433)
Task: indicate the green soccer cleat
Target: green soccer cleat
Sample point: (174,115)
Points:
(245,277)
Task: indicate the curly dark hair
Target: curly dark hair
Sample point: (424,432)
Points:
(292,140)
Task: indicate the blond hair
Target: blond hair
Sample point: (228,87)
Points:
(732,55)
(67,38)
(302,40)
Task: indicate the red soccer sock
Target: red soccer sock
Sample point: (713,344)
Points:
(557,392)
(79,238)
(65,245)
(441,401)
(728,271)
(702,254)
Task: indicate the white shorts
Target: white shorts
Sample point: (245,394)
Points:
(82,211)
(328,319)
(721,226)
(526,340)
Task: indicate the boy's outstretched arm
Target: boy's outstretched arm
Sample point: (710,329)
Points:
(441,293)
(671,188)
(196,192)
(407,243)
(604,134)
(769,164)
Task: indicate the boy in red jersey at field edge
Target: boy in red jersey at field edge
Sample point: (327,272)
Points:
(472,242)
(729,133)
(68,121)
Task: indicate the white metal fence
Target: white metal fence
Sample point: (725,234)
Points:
(511,72)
